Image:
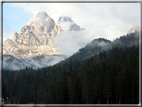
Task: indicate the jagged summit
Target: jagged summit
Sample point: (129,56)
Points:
(134,29)
(34,42)
(15,33)
(65,19)
(68,24)
(42,15)
(34,39)
(42,19)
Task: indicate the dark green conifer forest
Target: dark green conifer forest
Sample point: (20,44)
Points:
(110,77)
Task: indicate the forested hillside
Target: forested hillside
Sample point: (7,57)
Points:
(101,44)
(108,77)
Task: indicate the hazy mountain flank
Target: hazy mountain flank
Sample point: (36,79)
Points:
(35,45)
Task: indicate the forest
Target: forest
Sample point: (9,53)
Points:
(110,77)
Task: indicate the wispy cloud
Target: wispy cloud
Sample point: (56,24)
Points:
(105,20)
(99,19)
(44,61)
(71,42)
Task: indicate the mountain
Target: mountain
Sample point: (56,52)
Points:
(34,39)
(34,45)
(94,47)
(68,24)
(99,45)
(134,29)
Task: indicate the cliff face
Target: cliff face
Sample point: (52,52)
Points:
(134,29)
(34,39)
(38,44)
(68,24)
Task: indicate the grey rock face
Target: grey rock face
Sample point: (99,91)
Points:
(134,29)
(34,39)
(33,46)
(42,19)
(65,19)
(68,24)
(15,36)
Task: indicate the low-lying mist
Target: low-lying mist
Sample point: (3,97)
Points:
(68,43)
(13,63)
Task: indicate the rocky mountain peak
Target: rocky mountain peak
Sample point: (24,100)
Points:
(68,24)
(15,33)
(134,29)
(42,15)
(64,19)
(42,19)
(34,39)
(15,36)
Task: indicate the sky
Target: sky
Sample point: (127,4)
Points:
(105,20)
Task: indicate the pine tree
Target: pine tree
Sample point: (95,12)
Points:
(74,88)
(107,86)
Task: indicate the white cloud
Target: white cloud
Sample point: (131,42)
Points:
(103,20)
(65,25)
(70,42)
(99,19)
(19,63)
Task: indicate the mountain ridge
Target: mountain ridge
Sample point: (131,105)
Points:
(94,47)
(36,40)
(68,24)
(101,44)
